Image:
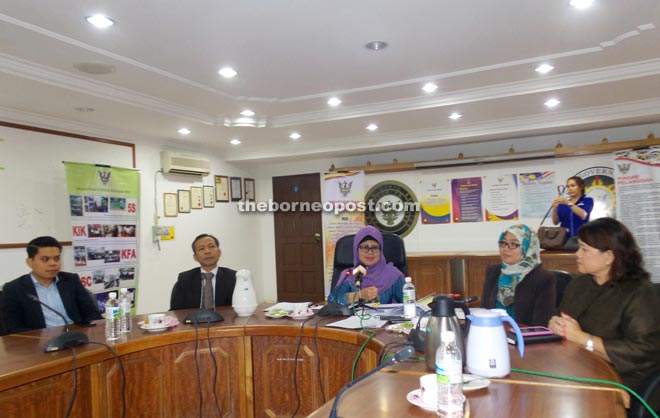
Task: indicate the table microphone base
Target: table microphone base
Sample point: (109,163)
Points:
(203,316)
(67,340)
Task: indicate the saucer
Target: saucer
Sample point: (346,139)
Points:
(400,328)
(472,382)
(301,315)
(276,313)
(415,398)
(170,321)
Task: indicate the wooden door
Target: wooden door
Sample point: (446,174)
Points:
(298,246)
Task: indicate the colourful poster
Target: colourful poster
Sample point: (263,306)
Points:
(466,199)
(637,175)
(435,199)
(343,212)
(104,208)
(501,198)
(537,191)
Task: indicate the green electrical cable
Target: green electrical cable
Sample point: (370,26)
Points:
(588,380)
(370,332)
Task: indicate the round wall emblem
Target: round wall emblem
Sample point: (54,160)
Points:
(599,185)
(392,207)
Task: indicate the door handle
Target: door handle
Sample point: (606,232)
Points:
(317,237)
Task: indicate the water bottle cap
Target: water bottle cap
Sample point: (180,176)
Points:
(408,279)
(447,336)
(113,295)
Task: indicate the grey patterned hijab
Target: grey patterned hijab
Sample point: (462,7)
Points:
(515,273)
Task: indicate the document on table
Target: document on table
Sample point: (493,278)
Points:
(289,306)
(354,322)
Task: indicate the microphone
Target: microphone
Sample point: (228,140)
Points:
(400,356)
(67,339)
(358,272)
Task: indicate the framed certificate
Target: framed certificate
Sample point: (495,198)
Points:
(221,189)
(209,197)
(184,201)
(249,189)
(236,189)
(170,204)
(196,197)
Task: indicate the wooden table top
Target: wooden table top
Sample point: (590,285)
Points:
(22,360)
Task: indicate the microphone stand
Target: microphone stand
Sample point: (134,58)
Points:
(67,339)
(360,303)
(400,356)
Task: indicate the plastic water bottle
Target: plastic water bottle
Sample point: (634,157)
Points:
(112,317)
(409,306)
(125,324)
(449,372)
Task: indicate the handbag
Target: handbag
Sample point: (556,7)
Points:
(551,237)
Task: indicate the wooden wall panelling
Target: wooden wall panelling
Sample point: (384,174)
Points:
(559,261)
(475,272)
(430,275)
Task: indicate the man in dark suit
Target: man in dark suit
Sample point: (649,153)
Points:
(206,286)
(62,291)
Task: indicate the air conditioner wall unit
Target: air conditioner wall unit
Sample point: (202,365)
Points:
(184,164)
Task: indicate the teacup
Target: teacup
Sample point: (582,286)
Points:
(156,320)
(428,385)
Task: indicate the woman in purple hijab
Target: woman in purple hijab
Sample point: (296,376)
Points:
(381,280)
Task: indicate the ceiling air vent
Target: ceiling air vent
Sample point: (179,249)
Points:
(184,164)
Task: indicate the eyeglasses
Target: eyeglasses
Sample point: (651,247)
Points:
(368,249)
(509,245)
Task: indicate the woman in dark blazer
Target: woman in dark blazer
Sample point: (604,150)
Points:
(519,284)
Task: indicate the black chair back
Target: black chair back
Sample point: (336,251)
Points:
(563,278)
(395,252)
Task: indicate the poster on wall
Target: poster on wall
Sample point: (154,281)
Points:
(466,199)
(435,199)
(537,191)
(343,192)
(104,209)
(501,198)
(637,175)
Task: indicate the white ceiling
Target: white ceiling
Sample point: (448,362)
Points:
(292,55)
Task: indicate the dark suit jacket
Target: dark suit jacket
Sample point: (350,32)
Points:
(535,297)
(21,314)
(187,291)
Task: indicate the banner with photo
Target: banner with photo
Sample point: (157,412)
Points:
(341,191)
(637,175)
(104,208)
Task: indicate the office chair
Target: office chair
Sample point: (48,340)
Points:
(395,252)
(563,278)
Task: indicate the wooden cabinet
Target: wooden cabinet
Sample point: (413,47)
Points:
(281,379)
(153,376)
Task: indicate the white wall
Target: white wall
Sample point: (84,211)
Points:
(474,237)
(247,240)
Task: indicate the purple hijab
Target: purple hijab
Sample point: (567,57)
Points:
(382,274)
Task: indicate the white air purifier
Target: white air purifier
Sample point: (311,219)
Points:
(244,299)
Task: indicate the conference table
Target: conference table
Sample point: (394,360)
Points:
(268,368)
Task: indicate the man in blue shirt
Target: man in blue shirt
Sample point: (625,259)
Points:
(61,291)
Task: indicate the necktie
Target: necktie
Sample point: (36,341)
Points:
(207,296)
